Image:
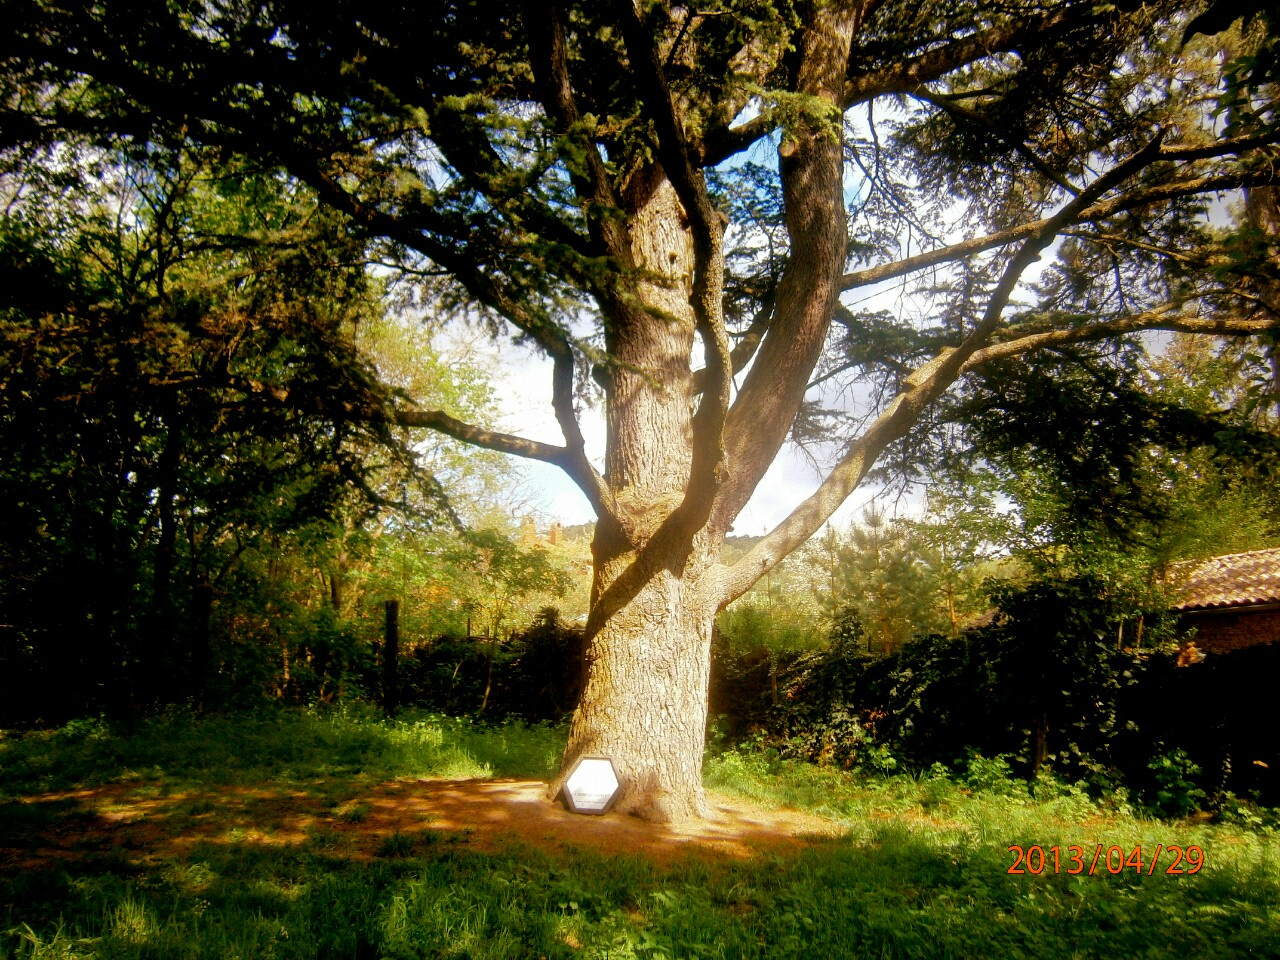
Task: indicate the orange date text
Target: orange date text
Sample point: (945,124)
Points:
(1106,859)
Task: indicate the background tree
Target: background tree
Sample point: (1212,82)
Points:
(547,167)
(168,326)
(961,541)
(879,573)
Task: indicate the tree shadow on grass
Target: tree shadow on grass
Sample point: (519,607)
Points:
(446,869)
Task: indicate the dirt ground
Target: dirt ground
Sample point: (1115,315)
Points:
(482,815)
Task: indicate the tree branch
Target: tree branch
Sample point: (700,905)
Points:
(905,75)
(546,31)
(921,388)
(476,160)
(1037,164)
(733,140)
(1158,318)
(706,473)
(571,458)
(566,458)
(442,422)
(1099,211)
(746,346)
(811,167)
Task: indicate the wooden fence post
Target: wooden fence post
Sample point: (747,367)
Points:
(390,657)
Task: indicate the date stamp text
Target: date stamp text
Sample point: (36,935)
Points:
(1104,859)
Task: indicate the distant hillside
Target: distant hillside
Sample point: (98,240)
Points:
(736,547)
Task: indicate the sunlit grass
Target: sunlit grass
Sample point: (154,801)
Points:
(921,870)
(285,745)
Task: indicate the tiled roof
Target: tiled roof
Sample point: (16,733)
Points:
(1235,580)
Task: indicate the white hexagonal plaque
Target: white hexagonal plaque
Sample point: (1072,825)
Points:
(592,785)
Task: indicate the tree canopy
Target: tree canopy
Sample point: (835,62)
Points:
(729,225)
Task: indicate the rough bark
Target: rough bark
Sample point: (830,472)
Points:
(651,335)
(653,602)
(645,700)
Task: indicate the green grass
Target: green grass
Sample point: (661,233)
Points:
(920,872)
(277,746)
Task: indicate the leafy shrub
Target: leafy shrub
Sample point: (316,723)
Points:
(1044,685)
(534,675)
(992,775)
(1175,792)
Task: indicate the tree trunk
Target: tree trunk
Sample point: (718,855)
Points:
(200,631)
(488,683)
(676,481)
(644,704)
(161,630)
(1039,743)
(645,701)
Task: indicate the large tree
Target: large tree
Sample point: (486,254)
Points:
(688,203)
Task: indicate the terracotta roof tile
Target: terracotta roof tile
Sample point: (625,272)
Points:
(1235,580)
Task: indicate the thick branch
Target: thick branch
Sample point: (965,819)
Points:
(585,476)
(1158,318)
(1161,193)
(924,386)
(811,166)
(733,140)
(566,458)
(746,346)
(707,467)
(906,75)
(571,458)
(478,436)
(804,521)
(673,148)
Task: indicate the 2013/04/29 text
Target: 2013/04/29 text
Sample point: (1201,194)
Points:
(1076,859)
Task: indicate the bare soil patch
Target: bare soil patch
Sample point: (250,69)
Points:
(141,821)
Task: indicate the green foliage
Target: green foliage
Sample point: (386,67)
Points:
(1124,460)
(535,674)
(171,400)
(847,630)
(881,575)
(905,577)
(1046,683)
(993,775)
(779,627)
(1175,793)
(197,441)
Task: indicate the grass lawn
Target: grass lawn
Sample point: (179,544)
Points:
(187,838)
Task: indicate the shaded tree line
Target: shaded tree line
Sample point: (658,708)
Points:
(1061,679)
(183,410)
